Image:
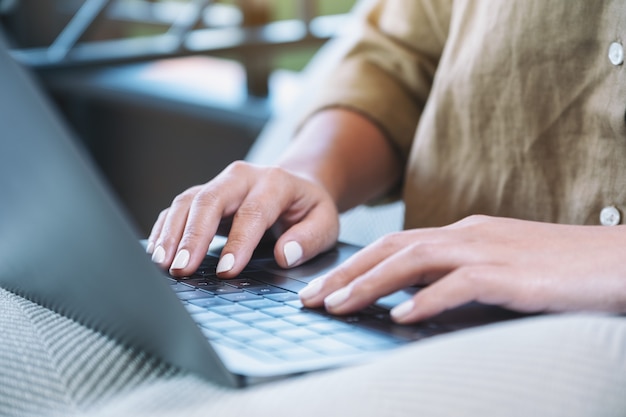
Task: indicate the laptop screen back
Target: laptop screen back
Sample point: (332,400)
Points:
(66,245)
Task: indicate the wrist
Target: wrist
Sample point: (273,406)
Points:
(346,154)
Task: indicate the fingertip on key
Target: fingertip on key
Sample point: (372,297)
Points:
(226,263)
(181,259)
(158,256)
(400,312)
(311,290)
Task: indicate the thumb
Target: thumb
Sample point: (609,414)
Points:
(316,233)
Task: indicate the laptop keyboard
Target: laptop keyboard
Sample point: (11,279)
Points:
(259,312)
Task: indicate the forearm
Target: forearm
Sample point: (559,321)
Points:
(347,154)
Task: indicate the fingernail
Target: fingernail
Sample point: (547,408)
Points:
(337,298)
(226,263)
(293,252)
(159,255)
(181,260)
(150,247)
(402,310)
(311,290)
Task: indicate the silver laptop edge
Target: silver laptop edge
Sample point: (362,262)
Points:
(65,240)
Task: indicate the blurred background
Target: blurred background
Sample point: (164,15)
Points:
(166,93)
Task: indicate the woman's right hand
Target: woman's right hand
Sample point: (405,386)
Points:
(258,198)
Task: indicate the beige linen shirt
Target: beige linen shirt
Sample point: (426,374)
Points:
(512,108)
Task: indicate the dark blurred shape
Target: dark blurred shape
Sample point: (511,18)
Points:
(164,93)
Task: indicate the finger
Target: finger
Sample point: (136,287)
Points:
(494,285)
(172,228)
(258,211)
(316,233)
(216,200)
(156,231)
(313,295)
(359,264)
(411,265)
(202,223)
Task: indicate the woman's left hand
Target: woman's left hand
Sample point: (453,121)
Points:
(521,265)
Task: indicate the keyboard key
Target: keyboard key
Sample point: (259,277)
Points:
(194,309)
(240,296)
(266,289)
(233,344)
(330,346)
(277,281)
(223,290)
(354,318)
(203,282)
(368,341)
(210,259)
(245,348)
(206,316)
(261,304)
(304,318)
(253,317)
(330,327)
(191,295)
(224,325)
(247,335)
(297,334)
(211,334)
(208,265)
(231,309)
(205,271)
(295,303)
(251,267)
(273,344)
(283,297)
(244,283)
(273,325)
(180,287)
(281,311)
(209,302)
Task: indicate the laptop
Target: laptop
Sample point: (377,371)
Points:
(67,245)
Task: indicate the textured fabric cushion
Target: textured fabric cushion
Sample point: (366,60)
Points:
(50,365)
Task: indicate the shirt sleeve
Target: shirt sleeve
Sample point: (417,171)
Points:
(387,73)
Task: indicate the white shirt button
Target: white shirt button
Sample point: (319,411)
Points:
(610,216)
(616,53)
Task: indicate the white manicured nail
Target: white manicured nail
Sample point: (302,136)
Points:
(150,247)
(400,311)
(159,255)
(226,263)
(181,260)
(337,298)
(311,290)
(293,252)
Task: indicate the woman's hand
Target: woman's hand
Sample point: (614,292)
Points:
(257,198)
(521,265)
(338,159)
